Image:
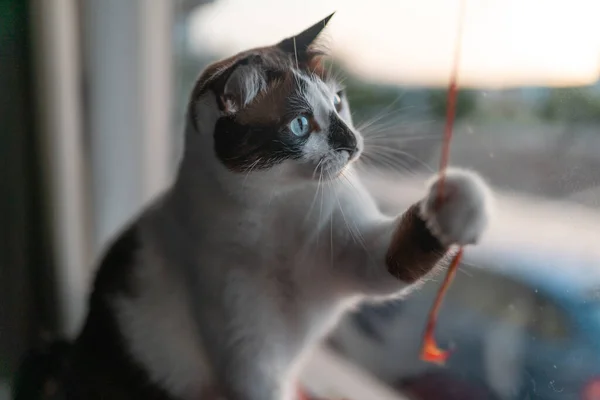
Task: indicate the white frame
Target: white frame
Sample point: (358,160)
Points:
(127,49)
(58,70)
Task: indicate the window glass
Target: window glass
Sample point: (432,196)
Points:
(528,120)
(551,322)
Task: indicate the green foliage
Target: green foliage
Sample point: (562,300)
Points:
(571,105)
(366,98)
(466,103)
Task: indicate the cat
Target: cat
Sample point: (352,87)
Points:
(225,282)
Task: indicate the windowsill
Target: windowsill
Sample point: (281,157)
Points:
(329,375)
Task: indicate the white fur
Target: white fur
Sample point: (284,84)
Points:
(465,211)
(247,82)
(266,263)
(183,368)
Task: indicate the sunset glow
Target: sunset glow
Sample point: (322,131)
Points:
(505,42)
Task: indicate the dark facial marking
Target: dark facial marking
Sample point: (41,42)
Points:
(244,147)
(341,136)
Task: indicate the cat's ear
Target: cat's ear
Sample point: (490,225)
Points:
(242,85)
(301,46)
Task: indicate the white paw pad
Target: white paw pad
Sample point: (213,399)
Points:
(464,211)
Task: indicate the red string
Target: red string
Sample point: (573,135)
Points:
(451,100)
(430,351)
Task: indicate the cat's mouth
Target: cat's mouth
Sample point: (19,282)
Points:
(328,170)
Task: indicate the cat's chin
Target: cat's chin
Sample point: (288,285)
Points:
(333,174)
(332,169)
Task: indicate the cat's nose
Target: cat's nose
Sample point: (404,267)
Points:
(341,137)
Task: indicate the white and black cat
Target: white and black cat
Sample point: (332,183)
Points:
(265,237)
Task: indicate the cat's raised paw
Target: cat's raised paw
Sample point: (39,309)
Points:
(462,215)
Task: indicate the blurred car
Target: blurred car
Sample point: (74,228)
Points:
(522,316)
(514,329)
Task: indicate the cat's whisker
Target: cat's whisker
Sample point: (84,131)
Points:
(329,70)
(369,128)
(274,188)
(328,184)
(250,169)
(295,51)
(397,130)
(462,270)
(386,112)
(374,124)
(312,204)
(361,239)
(393,129)
(344,218)
(399,138)
(383,149)
(387,160)
(319,164)
(392,155)
(320,185)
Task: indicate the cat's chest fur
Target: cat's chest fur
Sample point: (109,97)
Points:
(238,271)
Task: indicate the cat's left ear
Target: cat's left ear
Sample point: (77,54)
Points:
(302,46)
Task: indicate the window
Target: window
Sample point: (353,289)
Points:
(550,322)
(493,296)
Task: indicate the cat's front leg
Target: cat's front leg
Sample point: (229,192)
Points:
(430,227)
(411,245)
(250,374)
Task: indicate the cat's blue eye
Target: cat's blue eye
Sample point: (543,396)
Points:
(337,100)
(300,126)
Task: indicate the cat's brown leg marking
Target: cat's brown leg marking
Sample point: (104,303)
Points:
(414,250)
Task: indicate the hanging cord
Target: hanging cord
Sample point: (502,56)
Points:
(430,351)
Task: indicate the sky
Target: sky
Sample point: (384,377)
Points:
(504,42)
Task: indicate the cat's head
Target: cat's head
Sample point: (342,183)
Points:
(276,107)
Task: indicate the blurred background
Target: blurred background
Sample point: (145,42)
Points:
(92,99)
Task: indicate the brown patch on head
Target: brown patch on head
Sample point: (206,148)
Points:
(215,76)
(269,107)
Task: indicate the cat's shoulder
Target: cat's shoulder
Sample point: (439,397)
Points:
(117,263)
